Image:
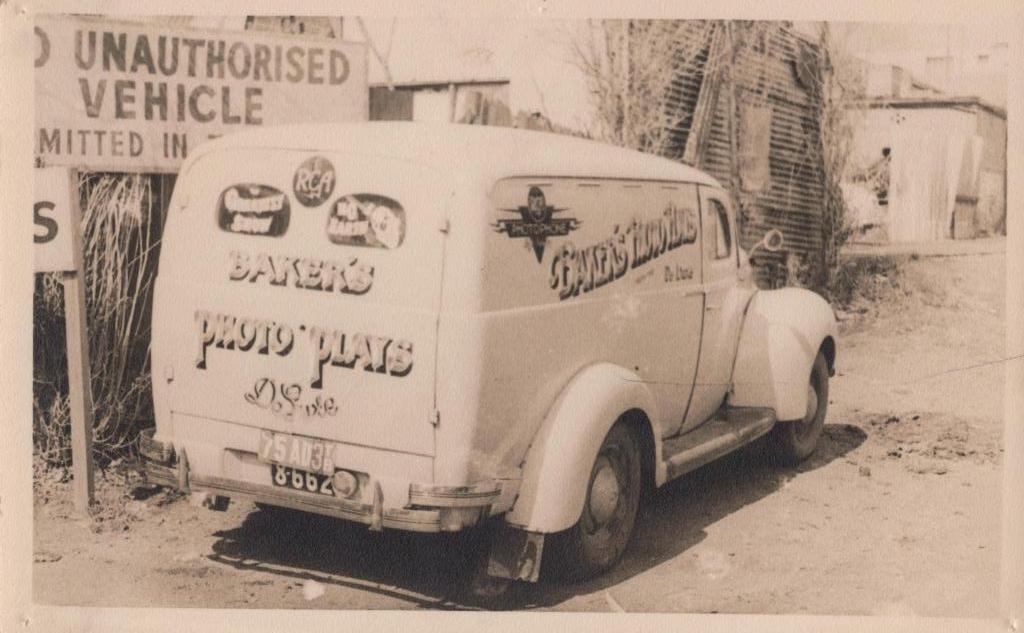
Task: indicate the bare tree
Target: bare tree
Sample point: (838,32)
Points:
(839,81)
(629,66)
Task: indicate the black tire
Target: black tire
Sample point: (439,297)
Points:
(604,528)
(795,440)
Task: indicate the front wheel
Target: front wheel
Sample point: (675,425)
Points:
(795,440)
(605,526)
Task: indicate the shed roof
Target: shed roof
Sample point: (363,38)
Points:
(932,101)
(489,152)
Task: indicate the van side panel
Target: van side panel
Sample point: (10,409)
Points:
(575,272)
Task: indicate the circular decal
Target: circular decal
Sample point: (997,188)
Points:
(314,181)
(367,219)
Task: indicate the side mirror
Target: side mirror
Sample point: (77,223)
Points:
(771,242)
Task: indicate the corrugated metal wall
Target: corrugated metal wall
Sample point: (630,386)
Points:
(771,67)
(685,89)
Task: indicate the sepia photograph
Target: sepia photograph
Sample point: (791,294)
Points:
(519,312)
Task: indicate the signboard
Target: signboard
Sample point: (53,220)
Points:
(137,97)
(51,216)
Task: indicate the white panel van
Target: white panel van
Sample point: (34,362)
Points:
(426,328)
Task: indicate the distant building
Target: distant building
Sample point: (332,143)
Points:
(482,101)
(980,71)
(488,71)
(958,59)
(926,165)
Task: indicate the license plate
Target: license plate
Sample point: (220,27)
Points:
(301,479)
(302,453)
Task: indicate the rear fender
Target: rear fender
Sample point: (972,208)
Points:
(782,333)
(558,463)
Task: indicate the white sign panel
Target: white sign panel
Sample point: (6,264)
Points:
(52,220)
(130,97)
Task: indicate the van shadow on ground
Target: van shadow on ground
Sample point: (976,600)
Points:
(430,570)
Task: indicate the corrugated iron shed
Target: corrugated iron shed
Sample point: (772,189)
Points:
(749,117)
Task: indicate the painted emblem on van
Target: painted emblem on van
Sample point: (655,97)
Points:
(535,222)
(314,181)
(253,209)
(366,219)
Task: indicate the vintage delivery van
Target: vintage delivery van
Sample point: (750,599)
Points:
(424,327)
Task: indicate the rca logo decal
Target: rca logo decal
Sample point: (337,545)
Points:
(314,181)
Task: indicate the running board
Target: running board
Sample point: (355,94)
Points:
(715,438)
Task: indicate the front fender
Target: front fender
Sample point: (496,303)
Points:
(782,333)
(558,463)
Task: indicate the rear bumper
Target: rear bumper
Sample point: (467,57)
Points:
(431,508)
(367,513)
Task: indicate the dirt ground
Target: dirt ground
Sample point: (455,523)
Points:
(897,513)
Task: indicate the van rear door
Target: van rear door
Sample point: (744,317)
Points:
(298,292)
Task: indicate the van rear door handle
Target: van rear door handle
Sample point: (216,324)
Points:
(711,307)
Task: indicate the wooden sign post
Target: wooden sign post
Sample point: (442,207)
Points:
(58,248)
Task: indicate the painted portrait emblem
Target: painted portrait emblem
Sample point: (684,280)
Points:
(366,219)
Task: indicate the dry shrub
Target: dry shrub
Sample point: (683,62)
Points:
(121,230)
(865,283)
(864,280)
(51,430)
(121,497)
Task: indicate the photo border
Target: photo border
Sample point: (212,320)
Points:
(16,287)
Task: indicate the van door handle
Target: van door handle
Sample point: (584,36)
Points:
(711,307)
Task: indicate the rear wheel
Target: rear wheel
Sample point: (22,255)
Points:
(605,526)
(795,440)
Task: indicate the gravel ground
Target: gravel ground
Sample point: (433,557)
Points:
(897,513)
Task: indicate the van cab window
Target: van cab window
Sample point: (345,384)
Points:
(719,238)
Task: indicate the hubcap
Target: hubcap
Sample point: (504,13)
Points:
(604,494)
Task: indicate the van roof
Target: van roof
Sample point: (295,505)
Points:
(490,152)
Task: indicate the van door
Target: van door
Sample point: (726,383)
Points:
(723,306)
(299,292)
